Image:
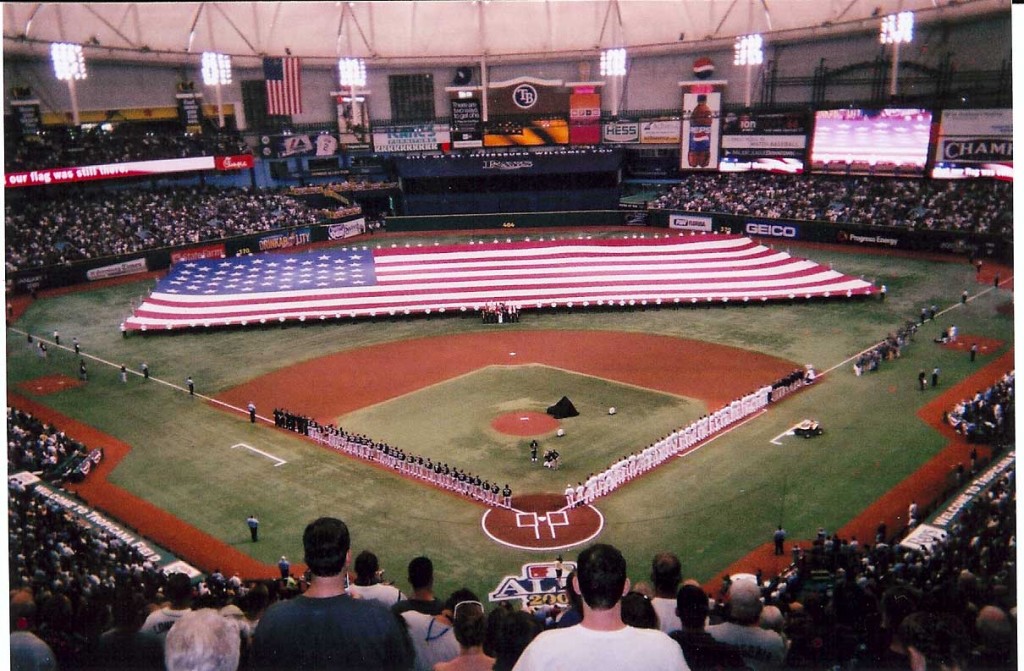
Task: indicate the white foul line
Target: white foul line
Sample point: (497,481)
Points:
(280,462)
(787,432)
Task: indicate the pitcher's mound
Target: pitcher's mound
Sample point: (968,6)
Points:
(525,423)
(48,384)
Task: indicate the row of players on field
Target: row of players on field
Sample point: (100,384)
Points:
(438,474)
(677,443)
(600,484)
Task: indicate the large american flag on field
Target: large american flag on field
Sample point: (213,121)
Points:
(349,282)
(284,85)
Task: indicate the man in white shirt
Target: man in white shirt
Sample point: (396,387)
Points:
(602,640)
(368,585)
(666,574)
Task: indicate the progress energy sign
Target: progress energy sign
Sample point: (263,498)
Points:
(974,143)
(772,142)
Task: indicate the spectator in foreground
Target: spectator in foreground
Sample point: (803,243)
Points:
(368,583)
(572,615)
(433,637)
(421,577)
(638,612)
(324,627)
(666,574)
(28,651)
(761,649)
(602,640)
(178,591)
(470,629)
(508,633)
(700,648)
(203,640)
(123,646)
(935,641)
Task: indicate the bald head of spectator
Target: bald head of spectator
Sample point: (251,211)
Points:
(666,573)
(203,640)
(744,602)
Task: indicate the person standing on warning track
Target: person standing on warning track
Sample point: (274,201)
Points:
(780,541)
(699,155)
(254,527)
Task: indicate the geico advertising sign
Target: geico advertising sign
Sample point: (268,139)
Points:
(768,230)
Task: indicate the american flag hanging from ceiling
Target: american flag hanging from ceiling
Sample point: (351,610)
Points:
(284,85)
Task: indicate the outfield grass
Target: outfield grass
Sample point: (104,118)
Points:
(710,507)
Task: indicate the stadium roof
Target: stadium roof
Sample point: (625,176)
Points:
(452,31)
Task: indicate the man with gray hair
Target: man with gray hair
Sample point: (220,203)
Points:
(761,649)
(203,640)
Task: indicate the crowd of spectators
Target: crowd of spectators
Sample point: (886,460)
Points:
(84,598)
(89,225)
(987,416)
(976,206)
(66,146)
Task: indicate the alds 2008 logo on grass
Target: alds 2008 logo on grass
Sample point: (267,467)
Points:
(538,585)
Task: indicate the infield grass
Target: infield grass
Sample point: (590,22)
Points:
(710,507)
(450,422)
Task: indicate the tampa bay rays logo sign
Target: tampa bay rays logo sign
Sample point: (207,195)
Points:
(524,96)
(538,585)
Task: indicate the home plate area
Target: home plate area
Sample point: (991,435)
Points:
(542,522)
